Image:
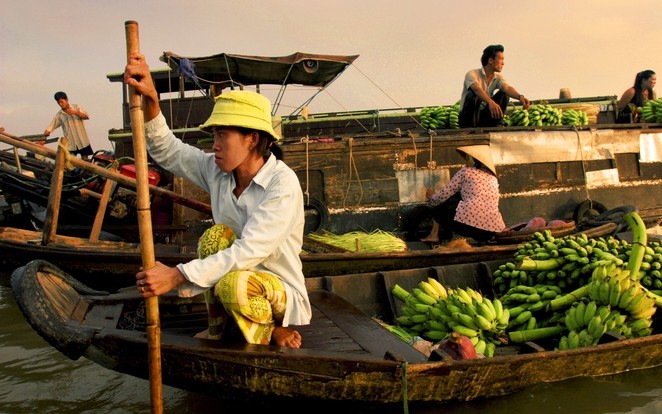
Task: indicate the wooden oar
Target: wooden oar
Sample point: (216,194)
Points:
(145,224)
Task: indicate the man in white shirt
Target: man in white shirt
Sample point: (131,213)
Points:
(70,117)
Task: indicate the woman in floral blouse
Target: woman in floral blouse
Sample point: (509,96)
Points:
(468,205)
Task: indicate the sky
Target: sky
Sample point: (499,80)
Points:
(411,53)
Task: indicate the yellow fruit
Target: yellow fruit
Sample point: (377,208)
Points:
(216,238)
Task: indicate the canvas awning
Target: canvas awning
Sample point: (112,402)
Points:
(296,69)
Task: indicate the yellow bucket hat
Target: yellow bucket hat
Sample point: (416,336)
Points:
(244,109)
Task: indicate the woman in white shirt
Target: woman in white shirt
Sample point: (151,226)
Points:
(258,279)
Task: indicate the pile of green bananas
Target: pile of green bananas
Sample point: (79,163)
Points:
(440,117)
(574,117)
(518,117)
(528,306)
(434,312)
(536,115)
(651,111)
(616,303)
(546,115)
(571,288)
(568,262)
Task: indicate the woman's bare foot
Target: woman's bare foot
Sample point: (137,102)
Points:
(204,334)
(282,336)
(433,237)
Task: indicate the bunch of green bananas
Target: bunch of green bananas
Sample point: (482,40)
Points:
(434,312)
(440,117)
(574,117)
(650,272)
(651,111)
(566,262)
(518,117)
(454,115)
(544,115)
(612,285)
(587,322)
(434,117)
(528,306)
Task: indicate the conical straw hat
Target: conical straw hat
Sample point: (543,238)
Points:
(481,153)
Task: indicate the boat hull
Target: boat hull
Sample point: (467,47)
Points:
(346,356)
(108,265)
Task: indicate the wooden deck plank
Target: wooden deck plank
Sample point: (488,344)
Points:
(365,331)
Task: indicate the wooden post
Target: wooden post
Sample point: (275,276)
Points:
(103,204)
(17,161)
(55,194)
(145,224)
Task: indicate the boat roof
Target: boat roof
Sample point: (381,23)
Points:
(298,68)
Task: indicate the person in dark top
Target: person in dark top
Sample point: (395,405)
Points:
(636,96)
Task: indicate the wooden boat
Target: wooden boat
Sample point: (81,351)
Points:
(96,192)
(105,264)
(347,355)
(368,169)
(109,265)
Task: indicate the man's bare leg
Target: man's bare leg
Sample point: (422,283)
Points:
(282,336)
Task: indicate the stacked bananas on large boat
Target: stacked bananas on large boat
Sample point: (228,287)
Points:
(651,111)
(545,115)
(440,117)
(574,117)
(570,289)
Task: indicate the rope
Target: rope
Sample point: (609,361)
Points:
(384,92)
(307,193)
(405,405)
(346,110)
(581,152)
(349,181)
(67,156)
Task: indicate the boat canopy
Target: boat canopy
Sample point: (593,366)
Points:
(229,69)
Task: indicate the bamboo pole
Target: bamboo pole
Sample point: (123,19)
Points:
(145,224)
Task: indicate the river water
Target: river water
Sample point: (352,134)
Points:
(36,378)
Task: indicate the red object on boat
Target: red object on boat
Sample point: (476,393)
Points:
(129,170)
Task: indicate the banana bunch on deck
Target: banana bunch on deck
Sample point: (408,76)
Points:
(546,115)
(574,117)
(615,303)
(566,262)
(528,306)
(651,111)
(435,312)
(518,117)
(570,289)
(440,117)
